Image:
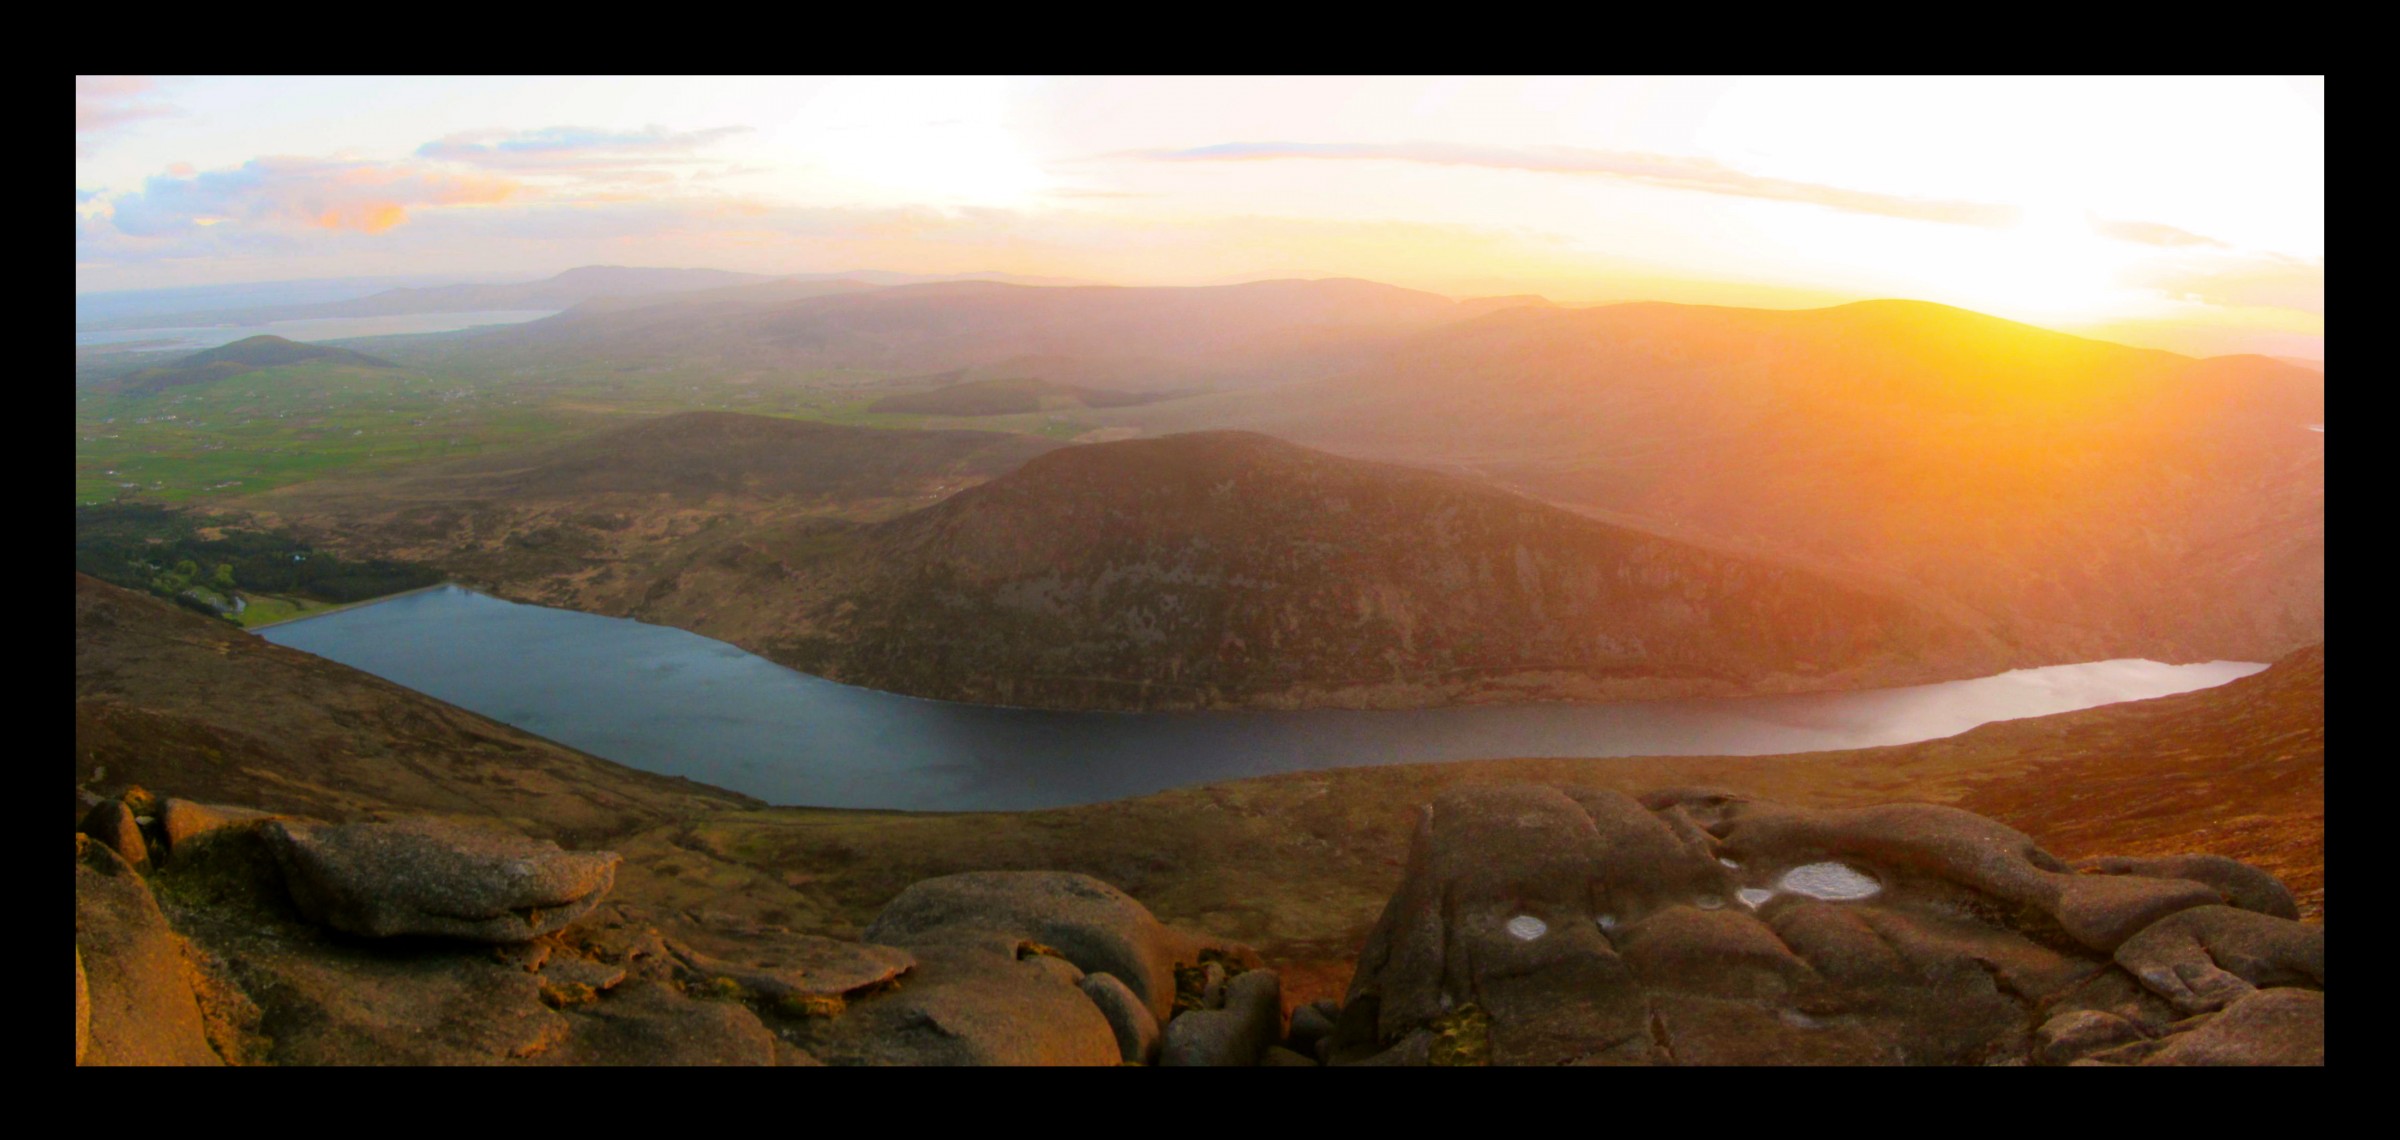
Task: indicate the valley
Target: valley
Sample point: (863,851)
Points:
(2131,504)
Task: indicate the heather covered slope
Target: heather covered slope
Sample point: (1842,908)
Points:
(1233,569)
(2090,500)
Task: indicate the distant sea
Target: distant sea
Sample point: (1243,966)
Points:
(172,339)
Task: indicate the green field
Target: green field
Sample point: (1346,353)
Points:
(250,433)
(267,609)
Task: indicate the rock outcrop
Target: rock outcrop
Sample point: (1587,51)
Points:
(181,821)
(429,878)
(1549,925)
(1035,968)
(1083,920)
(1237,1033)
(114,825)
(135,1002)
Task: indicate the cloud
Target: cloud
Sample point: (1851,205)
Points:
(106,101)
(571,148)
(299,193)
(2152,233)
(2239,280)
(1675,172)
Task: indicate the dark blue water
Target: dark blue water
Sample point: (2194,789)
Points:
(668,701)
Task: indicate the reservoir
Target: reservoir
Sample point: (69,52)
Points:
(673,702)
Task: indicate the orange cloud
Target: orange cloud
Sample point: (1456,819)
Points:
(265,193)
(365,217)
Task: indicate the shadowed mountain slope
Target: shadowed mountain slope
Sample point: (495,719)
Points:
(1232,568)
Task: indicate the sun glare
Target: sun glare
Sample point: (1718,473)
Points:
(2051,266)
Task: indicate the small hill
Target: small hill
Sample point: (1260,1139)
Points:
(1006,397)
(1230,568)
(240,358)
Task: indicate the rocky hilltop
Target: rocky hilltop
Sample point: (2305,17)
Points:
(272,898)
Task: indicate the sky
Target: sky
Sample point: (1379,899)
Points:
(2186,214)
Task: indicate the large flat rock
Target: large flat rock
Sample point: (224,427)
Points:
(1548,925)
(425,877)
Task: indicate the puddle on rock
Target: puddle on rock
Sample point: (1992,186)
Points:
(1832,882)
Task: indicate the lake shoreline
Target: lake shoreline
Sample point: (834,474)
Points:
(675,703)
(340,607)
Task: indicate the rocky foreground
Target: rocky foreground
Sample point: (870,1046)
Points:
(377,885)
(1533,925)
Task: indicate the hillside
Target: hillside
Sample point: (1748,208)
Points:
(609,521)
(2088,499)
(1234,569)
(1005,397)
(242,357)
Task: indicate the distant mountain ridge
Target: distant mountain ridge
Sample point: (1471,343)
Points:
(1142,339)
(562,291)
(252,354)
(2091,499)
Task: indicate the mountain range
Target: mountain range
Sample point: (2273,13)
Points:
(2083,499)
